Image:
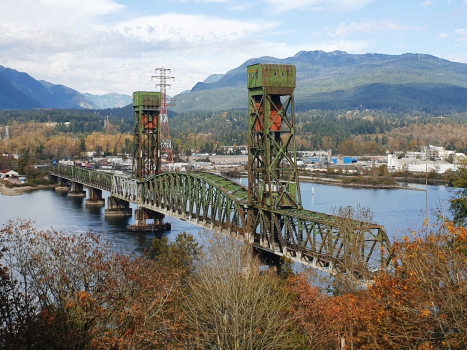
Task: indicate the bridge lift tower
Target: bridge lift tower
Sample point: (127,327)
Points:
(147,153)
(272,167)
(273,183)
(147,134)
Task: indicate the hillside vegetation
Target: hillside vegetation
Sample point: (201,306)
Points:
(337,80)
(356,132)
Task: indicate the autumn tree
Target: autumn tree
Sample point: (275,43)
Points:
(422,301)
(178,256)
(5,162)
(350,148)
(229,305)
(458,205)
(326,322)
(413,145)
(17,313)
(73,291)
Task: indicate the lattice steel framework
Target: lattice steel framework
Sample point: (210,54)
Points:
(319,240)
(166,141)
(147,134)
(268,214)
(272,166)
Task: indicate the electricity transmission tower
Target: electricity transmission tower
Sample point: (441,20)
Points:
(166,142)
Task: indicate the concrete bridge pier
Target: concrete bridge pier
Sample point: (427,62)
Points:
(141,217)
(95,197)
(118,207)
(77,190)
(60,184)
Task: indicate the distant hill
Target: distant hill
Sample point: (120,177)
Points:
(25,92)
(338,80)
(213,78)
(11,97)
(111,100)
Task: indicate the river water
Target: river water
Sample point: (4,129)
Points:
(398,210)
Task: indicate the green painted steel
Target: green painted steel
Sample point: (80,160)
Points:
(215,202)
(272,167)
(147,134)
(272,75)
(146,98)
(268,214)
(88,177)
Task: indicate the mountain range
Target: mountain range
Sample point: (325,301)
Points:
(338,80)
(325,80)
(110,100)
(19,90)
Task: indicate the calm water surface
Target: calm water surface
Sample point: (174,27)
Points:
(397,210)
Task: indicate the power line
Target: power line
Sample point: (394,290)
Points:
(420,41)
(450,41)
(456,58)
(442,47)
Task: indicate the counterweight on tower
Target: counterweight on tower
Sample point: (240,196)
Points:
(166,142)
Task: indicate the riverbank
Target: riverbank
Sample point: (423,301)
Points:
(339,182)
(18,191)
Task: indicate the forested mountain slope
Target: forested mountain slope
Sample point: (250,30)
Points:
(338,80)
(37,94)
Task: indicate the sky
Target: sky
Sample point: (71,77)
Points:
(102,46)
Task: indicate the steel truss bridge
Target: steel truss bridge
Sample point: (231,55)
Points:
(331,243)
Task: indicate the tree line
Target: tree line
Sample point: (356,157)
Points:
(355,132)
(62,290)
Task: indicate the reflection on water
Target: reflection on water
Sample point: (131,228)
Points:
(397,210)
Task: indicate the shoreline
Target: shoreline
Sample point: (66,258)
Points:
(18,191)
(338,182)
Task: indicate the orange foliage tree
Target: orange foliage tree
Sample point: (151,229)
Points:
(423,300)
(73,291)
(326,321)
(419,302)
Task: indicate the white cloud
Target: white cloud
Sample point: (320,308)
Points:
(64,13)
(368,26)
(243,7)
(203,1)
(88,54)
(426,3)
(188,28)
(98,46)
(442,36)
(318,5)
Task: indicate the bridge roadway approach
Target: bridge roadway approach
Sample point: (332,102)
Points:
(321,241)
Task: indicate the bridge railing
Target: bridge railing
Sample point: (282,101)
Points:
(324,241)
(215,202)
(126,188)
(85,176)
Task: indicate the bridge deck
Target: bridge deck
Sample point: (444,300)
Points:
(212,201)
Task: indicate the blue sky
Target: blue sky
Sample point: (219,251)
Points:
(102,46)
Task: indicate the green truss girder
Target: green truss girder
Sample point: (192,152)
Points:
(216,202)
(89,177)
